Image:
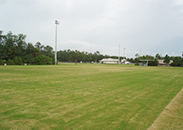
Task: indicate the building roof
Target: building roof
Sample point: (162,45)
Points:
(109,60)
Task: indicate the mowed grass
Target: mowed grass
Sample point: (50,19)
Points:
(85,96)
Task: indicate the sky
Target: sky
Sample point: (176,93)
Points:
(112,27)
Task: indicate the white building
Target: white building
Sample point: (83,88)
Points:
(124,61)
(109,61)
(162,63)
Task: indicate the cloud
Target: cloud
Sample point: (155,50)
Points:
(147,25)
(76,45)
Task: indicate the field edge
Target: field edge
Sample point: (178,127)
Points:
(171,117)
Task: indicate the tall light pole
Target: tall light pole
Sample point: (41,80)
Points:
(119,54)
(124,53)
(57,23)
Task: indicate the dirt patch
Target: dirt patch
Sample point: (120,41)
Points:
(172,116)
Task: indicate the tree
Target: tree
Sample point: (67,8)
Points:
(137,57)
(9,45)
(89,57)
(131,60)
(39,46)
(167,59)
(153,63)
(75,56)
(10,62)
(42,60)
(176,61)
(18,60)
(15,50)
(48,51)
(20,48)
(158,56)
(2,62)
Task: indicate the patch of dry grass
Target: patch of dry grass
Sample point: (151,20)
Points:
(172,116)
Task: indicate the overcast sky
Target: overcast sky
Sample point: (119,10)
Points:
(147,27)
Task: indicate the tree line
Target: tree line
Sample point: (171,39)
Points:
(177,60)
(15,51)
(77,56)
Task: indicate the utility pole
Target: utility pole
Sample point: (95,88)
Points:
(57,23)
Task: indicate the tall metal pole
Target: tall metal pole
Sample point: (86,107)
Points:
(124,53)
(56,22)
(119,54)
(139,52)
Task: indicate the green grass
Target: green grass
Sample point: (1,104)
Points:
(85,96)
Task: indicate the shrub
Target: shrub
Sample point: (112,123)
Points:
(42,60)
(10,62)
(153,63)
(2,62)
(136,64)
(18,60)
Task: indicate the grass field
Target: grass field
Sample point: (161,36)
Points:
(87,96)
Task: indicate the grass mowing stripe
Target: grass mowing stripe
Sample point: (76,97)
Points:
(81,92)
(85,96)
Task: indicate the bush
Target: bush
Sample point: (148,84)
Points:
(2,62)
(29,59)
(153,63)
(136,64)
(10,62)
(18,60)
(175,64)
(43,60)
(177,61)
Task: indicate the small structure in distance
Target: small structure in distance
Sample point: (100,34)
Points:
(162,63)
(146,60)
(109,61)
(124,61)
